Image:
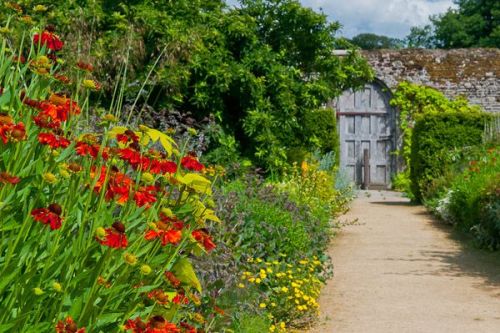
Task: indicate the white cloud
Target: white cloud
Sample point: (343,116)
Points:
(385,17)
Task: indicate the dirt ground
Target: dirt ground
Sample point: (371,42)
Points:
(398,270)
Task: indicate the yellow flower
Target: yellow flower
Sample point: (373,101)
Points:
(91,84)
(39,8)
(197,317)
(49,178)
(272,328)
(146,270)
(109,118)
(282,325)
(284,289)
(262,305)
(258,280)
(241,285)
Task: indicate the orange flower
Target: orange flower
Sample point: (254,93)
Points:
(156,324)
(68,326)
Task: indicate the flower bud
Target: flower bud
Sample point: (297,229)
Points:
(146,269)
(38,291)
(57,286)
(100,232)
(130,259)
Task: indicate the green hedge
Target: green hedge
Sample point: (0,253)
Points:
(434,137)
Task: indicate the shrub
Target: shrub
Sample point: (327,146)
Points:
(433,137)
(474,200)
(320,130)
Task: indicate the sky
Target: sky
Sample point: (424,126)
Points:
(392,18)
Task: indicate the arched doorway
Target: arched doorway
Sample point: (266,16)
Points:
(367,121)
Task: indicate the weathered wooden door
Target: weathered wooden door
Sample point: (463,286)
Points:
(366,121)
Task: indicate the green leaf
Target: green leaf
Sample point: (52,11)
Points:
(184,271)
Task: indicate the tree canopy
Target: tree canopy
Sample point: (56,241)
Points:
(369,41)
(259,68)
(474,23)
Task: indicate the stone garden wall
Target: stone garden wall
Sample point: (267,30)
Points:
(474,73)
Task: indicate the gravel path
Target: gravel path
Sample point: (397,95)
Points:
(398,270)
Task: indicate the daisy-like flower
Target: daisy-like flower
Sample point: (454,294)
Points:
(204,238)
(48,39)
(84,66)
(145,196)
(156,324)
(174,281)
(7,178)
(158,296)
(49,216)
(115,236)
(170,236)
(68,326)
(180,298)
(190,162)
(52,140)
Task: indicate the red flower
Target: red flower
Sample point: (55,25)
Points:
(54,141)
(85,66)
(68,326)
(159,296)
(180,299)
(115,236)
(10,131)
(191,163)
(145,196)
(119,185)
(62,78)
(204,238)
(6,178)
(174,281)
(156,324)
(84,149)
(48,39)
(168,167)
(127,136)
(50,216)
(187,328)
(131,156)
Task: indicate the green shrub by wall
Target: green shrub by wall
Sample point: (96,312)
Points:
(434,136)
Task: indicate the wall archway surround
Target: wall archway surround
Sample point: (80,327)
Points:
(366,120)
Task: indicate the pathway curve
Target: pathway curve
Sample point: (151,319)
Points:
(398,270)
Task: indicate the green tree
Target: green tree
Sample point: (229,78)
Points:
(260,67)
(368,41)
(474,23)
(421,37)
